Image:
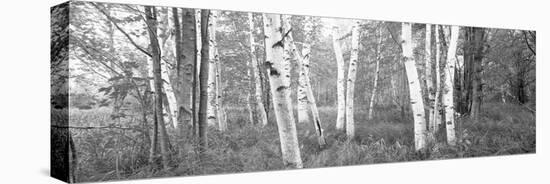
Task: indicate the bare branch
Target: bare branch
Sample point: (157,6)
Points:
(122,31)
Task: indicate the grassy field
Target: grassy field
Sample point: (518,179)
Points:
(503,130)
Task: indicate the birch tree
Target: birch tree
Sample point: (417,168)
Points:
(341,81)
(212,57)
(416,101)
(303,101)
(306,55)
(255,75)
(352,70)
(376,73)
(448,94)
(278,68)
(435,114)
(303,61)
(220,112)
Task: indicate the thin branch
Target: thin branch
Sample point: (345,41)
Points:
(393,38)
(100,127)
(122,31)
(527,43)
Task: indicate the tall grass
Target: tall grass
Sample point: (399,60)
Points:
(503,130)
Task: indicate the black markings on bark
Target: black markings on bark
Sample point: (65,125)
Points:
(281,88)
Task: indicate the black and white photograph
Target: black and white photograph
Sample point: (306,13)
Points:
(274,92)
(151,91)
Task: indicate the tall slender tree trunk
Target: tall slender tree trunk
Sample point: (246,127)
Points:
(203,76)
(429,81)
(164,46)
(477,88)
(306,55)
(179,60)
(196,69)
(154,140)
(448,101)
(341,81)
(155,52)
(416,101)
(220,111)
(303,115)
(212,95)
(435,114)
(261,115)
(376,74)
(303,62)
(352,70)
(185,66)
(279,78)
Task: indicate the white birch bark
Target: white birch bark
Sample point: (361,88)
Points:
(306,50)
(376,74)
(352,72)
(211,112)
(448,101)
(303,62)
(341,81)
(260,108)
(164,46)
(416,101)
(199,43)
(279,79)
(303,115)
(301,93)
(435,116)
(220,112)
(169,91)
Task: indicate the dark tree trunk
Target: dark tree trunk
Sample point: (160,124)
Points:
(150,13)
(477,83)
(203,76)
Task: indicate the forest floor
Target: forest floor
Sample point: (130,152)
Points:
(503,129)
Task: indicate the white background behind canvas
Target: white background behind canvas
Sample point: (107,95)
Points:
(24,75)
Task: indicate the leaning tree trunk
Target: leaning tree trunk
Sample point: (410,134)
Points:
(259,105)
(212,96)
(164,49)
(448,101)
(306,54)
(279,80)
(376,74)
(303,62)
(429,81)
(341,81)
(303,115)
(155,52)
(435,116)
(203,76)
(352,70)
(417,104)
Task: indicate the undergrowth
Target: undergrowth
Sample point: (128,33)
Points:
(503,129)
